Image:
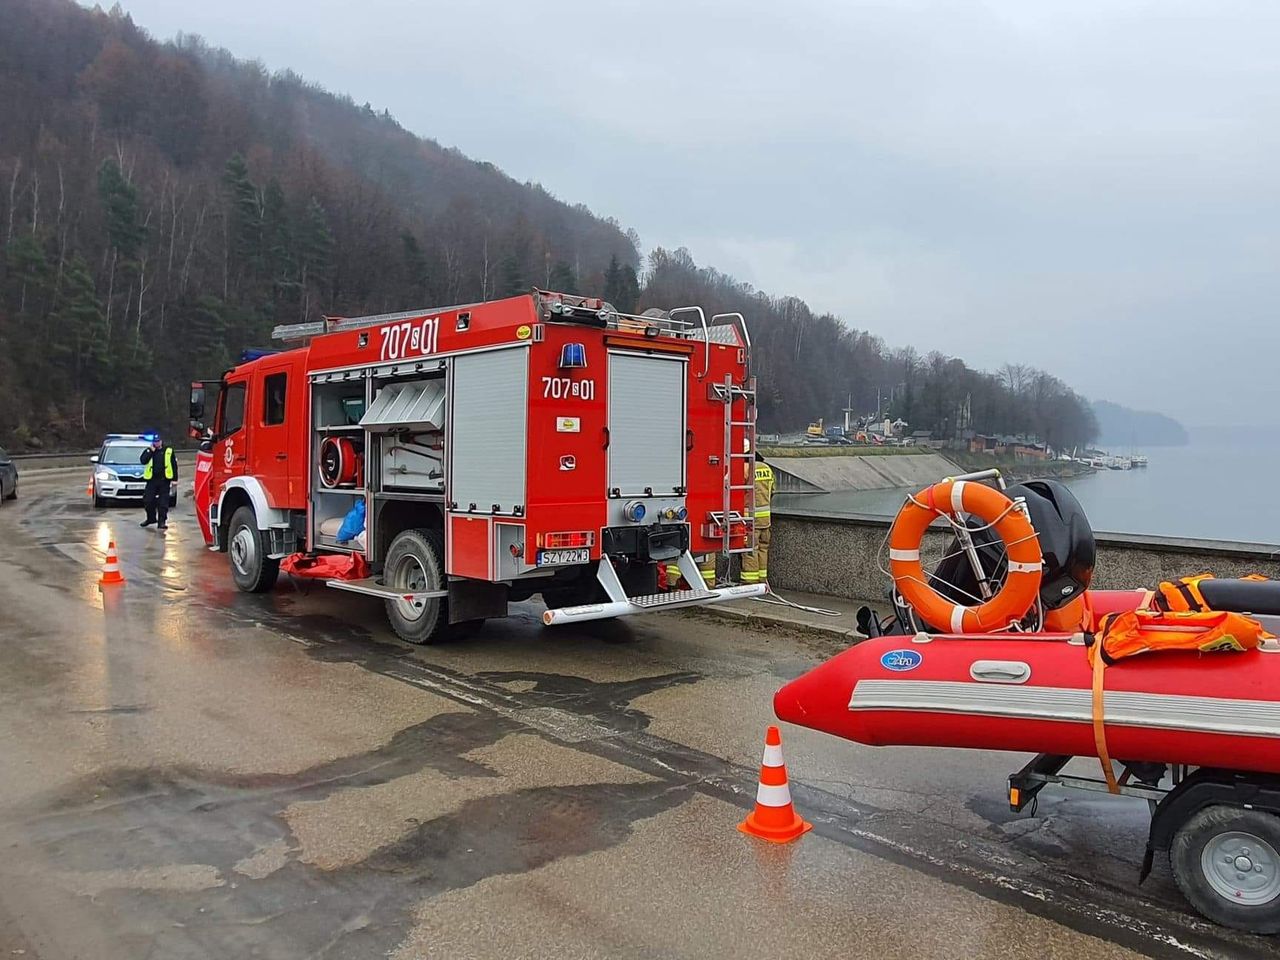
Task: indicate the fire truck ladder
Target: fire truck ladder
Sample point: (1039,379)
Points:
(739,414)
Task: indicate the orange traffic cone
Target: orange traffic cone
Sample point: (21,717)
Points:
(88,491)
(111,568)
(774,818)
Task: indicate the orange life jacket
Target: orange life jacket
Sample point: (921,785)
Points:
(1184,594)
(1133,632)
(1127,634)
(1181,594)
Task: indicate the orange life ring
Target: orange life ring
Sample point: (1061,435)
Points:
(954,498)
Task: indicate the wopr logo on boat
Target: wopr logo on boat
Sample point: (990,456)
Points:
(901,660)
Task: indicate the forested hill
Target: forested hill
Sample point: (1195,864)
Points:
(1122,427)
(163,205)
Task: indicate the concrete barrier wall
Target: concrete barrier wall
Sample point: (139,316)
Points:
(840,556)
(881,472)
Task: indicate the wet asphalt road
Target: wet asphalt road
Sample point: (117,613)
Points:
(190,772)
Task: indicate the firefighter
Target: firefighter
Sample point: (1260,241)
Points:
(755,565)
(706,567)
(160,470)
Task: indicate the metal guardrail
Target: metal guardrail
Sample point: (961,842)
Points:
(35,457)
(72,454)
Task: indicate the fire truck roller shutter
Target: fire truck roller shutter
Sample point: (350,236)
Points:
(489,433)
(646,425)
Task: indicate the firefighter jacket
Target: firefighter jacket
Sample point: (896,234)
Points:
(764,494)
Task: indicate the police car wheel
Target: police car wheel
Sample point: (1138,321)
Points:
(415,564)
(251,569)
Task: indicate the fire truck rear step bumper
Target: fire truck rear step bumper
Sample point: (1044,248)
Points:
(620,605)
(372,588)
(662,601)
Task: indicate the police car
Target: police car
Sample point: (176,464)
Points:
(117,472)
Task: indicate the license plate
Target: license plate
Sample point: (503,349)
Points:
(550,558)
(134,486)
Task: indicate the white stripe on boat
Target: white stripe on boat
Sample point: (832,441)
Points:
(1255,718)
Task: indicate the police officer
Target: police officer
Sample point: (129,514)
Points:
(755,565)
(160,470)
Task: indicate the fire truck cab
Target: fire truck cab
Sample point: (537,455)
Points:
(544,443)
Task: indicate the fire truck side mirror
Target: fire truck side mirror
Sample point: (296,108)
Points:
(196,407)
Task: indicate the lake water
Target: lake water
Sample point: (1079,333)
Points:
(1216,491)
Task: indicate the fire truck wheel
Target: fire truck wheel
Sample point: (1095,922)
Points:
(252,571)
(415,563)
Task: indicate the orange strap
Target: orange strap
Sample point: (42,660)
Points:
(1099,722)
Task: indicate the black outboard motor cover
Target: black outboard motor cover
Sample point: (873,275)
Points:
(1066,540)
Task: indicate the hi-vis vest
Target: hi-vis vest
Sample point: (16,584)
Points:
(168,465)
(764,491)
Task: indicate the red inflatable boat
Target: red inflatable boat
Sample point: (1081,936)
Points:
(1032,694)
(1002,645)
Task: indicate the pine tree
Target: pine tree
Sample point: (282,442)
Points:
(314,249)
(29,275)
(119,197)
(414,268)
(277,242)
(244,220)
(207,336)
(562,279)
(511,281)
(627,297)
(78,328)
(613,281)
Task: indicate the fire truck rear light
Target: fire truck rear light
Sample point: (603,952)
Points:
(567,540)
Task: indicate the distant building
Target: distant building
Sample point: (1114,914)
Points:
(1001,445)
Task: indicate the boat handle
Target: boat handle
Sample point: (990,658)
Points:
(1000,671)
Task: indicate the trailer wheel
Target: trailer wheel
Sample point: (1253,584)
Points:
(251,569)
(1226,861)
(415,563)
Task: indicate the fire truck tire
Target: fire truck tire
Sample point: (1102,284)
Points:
(415,562)
(251,569)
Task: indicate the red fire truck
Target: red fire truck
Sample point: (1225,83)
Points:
(544,443)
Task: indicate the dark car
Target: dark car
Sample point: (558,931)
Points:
(8,477)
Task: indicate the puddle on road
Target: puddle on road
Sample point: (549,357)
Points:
(136,836)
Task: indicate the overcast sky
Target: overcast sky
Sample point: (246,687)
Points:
(1090,187)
